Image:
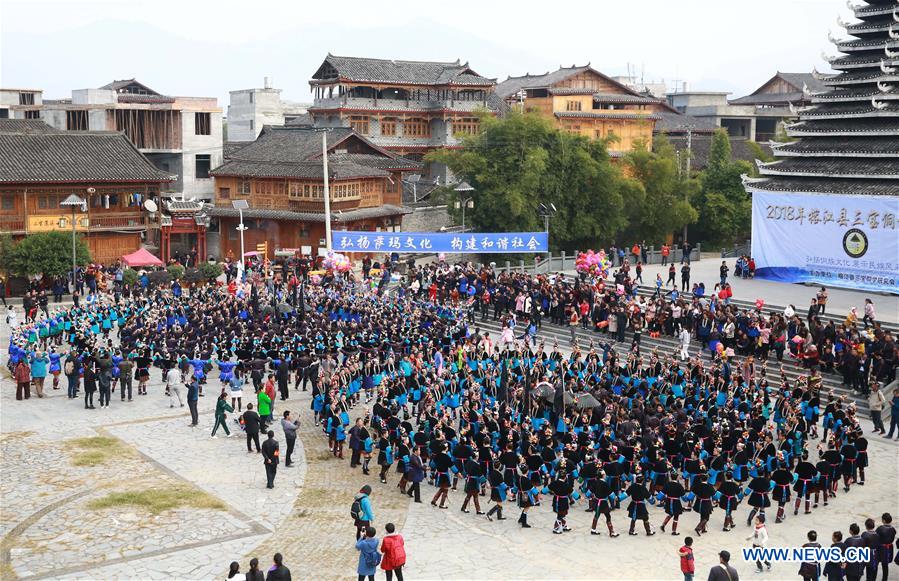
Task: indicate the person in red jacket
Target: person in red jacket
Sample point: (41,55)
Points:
(394,553)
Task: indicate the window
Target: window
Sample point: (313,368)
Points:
(47,202)
(26,98)
(251,97)
(252,125)
(359,123)
(281,188)
(203,161)
(9,203)
(4,113)
(573,106)
(224,193)
(243,187)
(32,114)
(417,128)
(388,126)
(76,120)
(466,126)
(203,123)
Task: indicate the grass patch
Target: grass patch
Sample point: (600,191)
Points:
(96,450)
(158,500)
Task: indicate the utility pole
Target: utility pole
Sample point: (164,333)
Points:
(327,193)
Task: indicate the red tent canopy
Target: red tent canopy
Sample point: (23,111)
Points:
(141,258)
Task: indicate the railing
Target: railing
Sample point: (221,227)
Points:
(737,250)
(118,222)
(396,104)
(12,223)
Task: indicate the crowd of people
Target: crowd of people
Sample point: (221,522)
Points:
(406,379)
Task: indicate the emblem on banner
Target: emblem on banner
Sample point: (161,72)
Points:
(855,243)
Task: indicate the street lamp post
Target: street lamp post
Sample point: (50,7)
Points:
(240,206)
(74,201)
(547,212)
(464,188)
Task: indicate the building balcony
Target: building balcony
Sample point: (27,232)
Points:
(119,221)
(411,105)
(12,224)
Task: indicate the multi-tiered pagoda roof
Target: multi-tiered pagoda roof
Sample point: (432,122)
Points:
(848,138)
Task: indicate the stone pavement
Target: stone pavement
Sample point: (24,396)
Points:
(318,540)
(448,544)
(48,530)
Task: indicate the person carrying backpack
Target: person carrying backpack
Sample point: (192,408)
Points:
(369,557)
(361,511)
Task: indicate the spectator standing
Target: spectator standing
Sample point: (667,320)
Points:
(876,402)
(254,574)
(251,424)
(369,557)
(289,425)
(894,414)
(687,563)
(869,316)
(809,570)
(193,396)
(723,571)
(270,456)
(364,516)
(394,553)
(278,572)
(22,374)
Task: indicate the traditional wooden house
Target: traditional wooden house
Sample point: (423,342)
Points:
(281,177)
(41,166)
(584,101)
(407,107)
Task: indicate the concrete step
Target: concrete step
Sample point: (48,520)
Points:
(552,332)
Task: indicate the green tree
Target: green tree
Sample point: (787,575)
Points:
(47,253)
(725,210)
(658,203)
(516,163)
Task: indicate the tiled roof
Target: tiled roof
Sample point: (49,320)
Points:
(74,157)
(513,85)
(866,127)
(26,126)
(605,115)
(295,152)
(232,147)
(400,72)
(119,85)
(622,98)
(701,144)
(834,167)
(796,80)
(837,147)
(852,187)
(849,138)
(349,216)
(670,122)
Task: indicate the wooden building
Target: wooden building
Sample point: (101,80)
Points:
(584,101)
(407,107)
(280,175)
(40,167)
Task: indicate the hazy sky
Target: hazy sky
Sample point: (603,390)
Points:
(208,47)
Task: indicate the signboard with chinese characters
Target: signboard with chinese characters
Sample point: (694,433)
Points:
(389,242)
(840,241)
(48,223)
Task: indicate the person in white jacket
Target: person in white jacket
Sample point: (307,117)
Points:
(759,538)
(684,343)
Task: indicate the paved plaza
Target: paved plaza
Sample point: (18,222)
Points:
(52,530)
